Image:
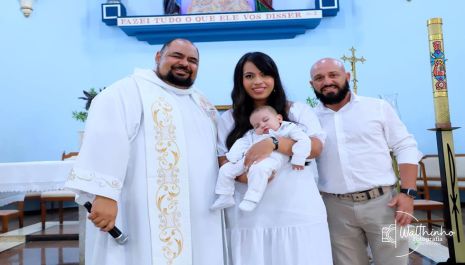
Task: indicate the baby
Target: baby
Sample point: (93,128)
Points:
(266,123)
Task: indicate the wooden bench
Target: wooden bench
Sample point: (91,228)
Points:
(429,165)
(5,215)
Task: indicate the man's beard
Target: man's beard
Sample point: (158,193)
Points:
(175,80)
(333,98)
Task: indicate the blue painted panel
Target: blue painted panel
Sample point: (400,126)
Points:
(269,26)
(229,27)
(329,7)
(221,35)
(110,13)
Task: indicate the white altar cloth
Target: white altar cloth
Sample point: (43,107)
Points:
(18,178)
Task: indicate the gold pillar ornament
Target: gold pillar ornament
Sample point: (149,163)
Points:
(438,72)
(445,143)
(353,60)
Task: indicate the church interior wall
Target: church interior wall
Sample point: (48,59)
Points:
(64,48)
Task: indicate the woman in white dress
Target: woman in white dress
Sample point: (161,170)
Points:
(289,226)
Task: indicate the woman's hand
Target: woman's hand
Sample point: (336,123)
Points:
(242,178)
(297,167)
(258,152)
(103,213)
(317,147)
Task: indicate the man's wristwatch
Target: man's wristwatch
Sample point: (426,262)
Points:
(410,192)
(275,142)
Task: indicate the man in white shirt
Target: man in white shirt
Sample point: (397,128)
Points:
(148,164)
(355,169)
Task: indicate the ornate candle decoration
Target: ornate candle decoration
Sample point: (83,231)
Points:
(445,143)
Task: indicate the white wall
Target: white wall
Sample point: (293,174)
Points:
(393,36)
(63,48)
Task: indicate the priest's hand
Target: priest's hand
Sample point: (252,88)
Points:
(103,213)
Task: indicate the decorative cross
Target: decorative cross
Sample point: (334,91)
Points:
(353,60)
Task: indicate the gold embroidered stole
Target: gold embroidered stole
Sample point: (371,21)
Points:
(167,177)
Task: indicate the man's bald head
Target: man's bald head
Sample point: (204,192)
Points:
(325,62)
(330,81)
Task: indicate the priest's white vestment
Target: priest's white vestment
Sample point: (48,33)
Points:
(115,161)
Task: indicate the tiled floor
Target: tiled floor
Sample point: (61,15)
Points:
(66,252)
(18,249)
(43,252)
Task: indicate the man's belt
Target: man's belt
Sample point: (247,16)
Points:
(363,195)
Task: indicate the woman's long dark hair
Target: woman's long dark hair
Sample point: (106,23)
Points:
(243,104)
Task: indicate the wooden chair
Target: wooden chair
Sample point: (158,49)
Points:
(426,204)
(433,174)
(7,214)
(59,196)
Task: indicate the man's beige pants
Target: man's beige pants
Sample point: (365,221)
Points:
(354,224)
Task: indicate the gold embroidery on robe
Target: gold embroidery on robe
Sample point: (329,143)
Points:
(100,180)
(167,180)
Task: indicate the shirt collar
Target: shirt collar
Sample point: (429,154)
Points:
(151,76)
(323,109)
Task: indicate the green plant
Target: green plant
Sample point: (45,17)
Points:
(313,102)
(88,97)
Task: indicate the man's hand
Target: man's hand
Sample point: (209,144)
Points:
(258,152)
(103,213)
(404,204)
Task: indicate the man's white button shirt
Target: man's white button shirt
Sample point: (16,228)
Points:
(360,136)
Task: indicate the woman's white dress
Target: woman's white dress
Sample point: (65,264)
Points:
(289,225)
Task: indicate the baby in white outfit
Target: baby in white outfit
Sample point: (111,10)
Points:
(266,123)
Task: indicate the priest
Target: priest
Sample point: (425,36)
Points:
(148,165)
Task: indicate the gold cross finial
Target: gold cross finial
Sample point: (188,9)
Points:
(353,60)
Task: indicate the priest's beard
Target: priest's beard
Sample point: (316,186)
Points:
(175,80)
(333,98)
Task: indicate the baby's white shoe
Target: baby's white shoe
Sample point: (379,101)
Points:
(247,206)
(223,201)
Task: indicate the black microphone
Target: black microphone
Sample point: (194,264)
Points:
(119,237)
